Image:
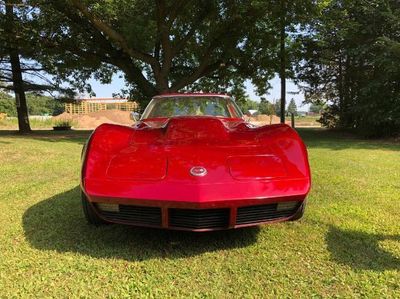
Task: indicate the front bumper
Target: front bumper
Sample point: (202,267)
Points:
(198,216)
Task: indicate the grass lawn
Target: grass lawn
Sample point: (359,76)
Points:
(347,245)
(307,121)
(12,123)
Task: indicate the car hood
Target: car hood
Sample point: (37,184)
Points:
(154,162)
(226,149)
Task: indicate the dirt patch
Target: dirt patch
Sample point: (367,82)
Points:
(94,119)
(263,119)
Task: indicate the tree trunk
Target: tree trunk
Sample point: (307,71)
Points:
(22,108)
(282,71)
(18,85)
(340,83)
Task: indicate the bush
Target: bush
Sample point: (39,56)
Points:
(63,123)
(7,104)
(37,105)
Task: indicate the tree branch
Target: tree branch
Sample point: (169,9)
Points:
(114,35)
(204,69)
(205,66)
(178,6)
(183,41)
(163,32)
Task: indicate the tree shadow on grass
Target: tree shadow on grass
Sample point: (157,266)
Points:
(362,251)
(316,138)
(313,137)
(58,224)
(75,136)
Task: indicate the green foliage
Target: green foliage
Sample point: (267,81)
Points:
(266,107)
(43,105)
(352,58)
(158,45)
(316,108)
(37,105)
(7,104)
(20,34)
(263,107)
(247,104)
(277,107)
(292,107)
(168,45)
(63,123)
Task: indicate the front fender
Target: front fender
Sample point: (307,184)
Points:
(105,141)
(286,143)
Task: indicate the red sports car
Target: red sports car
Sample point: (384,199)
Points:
(193,163)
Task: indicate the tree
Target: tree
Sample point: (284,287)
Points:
(292,107)
(247,105)
(7,104)
(167,46)
(277,106)
(19,70)
(316,108)
(10,26)
(37,105)
(351,62)
(161,46)
(293,16)
(282,54)
(266,107)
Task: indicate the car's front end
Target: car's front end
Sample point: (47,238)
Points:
(195,173)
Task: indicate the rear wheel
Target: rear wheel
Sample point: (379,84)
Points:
(300,212)
(90,214)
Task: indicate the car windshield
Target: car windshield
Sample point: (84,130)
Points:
(192,106)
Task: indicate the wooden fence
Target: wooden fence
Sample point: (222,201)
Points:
(87,107)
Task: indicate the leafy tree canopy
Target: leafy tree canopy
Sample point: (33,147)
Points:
(165,46)
(316,108)
(265,107)
(247,105)
(350,60)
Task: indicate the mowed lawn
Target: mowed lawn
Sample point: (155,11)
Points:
(348,243)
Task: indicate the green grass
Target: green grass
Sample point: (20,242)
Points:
(307,121)
(347,245)
(12,123)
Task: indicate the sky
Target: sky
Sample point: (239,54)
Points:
(275,93)
(106,90)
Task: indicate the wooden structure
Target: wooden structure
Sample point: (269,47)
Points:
(85,106)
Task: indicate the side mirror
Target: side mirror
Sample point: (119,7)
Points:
(134,116)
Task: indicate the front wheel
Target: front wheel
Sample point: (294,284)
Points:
(90,214)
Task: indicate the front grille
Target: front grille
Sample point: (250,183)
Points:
(135,215)
(199,219)
(262,213)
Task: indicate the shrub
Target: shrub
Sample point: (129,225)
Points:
(63,123)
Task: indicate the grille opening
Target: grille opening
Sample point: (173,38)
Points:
(262,213)
(135,215)
(199,219)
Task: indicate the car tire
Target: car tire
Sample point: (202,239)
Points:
(300,212)
(90,215)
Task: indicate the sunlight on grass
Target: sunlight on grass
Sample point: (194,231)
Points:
(12,123)
(347,245)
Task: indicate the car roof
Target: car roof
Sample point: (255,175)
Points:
(199,94)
